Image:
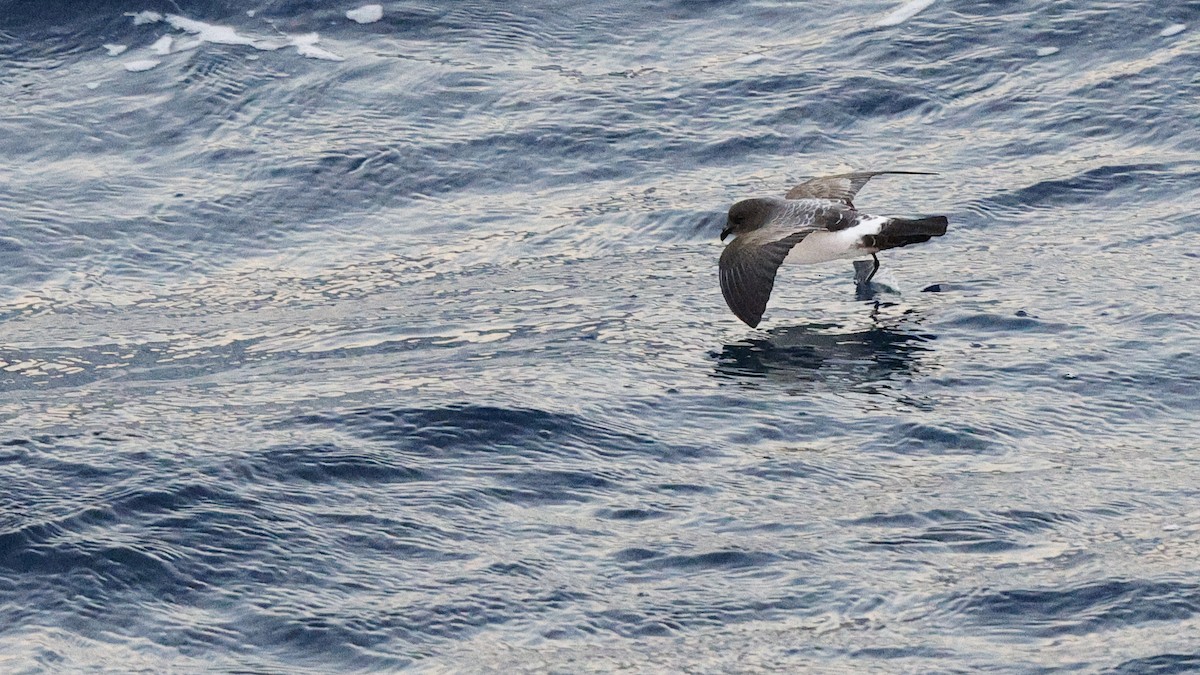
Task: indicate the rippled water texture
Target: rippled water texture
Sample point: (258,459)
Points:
(332,345)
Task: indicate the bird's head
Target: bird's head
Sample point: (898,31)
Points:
(748,215)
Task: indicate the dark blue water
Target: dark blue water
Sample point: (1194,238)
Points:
(402,346)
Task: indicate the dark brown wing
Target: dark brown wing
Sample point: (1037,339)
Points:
(748,265)
(841,187)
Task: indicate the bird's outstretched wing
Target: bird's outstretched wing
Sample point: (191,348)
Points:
(841,187)
(747,268)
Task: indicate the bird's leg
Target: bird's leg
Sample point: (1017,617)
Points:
(873,269)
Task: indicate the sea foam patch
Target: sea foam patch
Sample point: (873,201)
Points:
(199,32)
(306,45)
(162,47)
(141,18)
(366,14)
(141,65)
(207,32)
(903,13)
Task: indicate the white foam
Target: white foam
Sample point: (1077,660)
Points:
(92,85)
(1174,29)
(207,32)
(162,46)
(115,50)
(1047,51)
(366,14)
(200,32)
(251,12)
(903,13)
(186,43)
(141,65)
(145,17)
(306,45)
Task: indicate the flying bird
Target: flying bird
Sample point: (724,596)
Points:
(814,222)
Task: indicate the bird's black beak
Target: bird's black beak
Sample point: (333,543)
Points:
(725,233)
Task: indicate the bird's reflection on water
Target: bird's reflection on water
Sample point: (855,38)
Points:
(887,349)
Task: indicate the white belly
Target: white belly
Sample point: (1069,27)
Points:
(821,247)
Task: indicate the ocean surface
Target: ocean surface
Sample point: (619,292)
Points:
(393,340)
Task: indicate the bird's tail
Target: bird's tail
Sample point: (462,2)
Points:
(898,232)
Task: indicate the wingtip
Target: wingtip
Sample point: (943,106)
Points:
(748,319)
